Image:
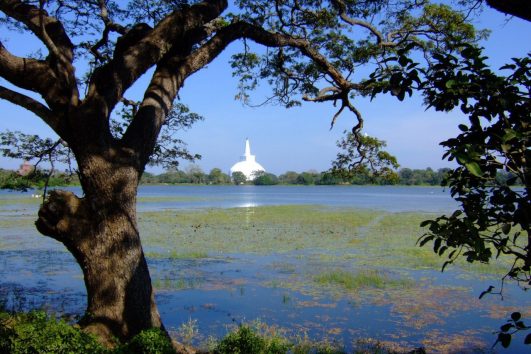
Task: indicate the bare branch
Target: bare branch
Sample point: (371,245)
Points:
(30,104)
(171,74)
(323,95)
(48,29)
(34,75)
(381,40)
(142,47)
(110,26)
(518,8)
(51,32)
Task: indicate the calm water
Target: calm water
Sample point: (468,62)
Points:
(389,198)
(221,291)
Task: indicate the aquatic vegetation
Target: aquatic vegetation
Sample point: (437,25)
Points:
(188,331)
(367,278)
(259,230)
(176,255)
(166,199)
(169,283)
(308,261)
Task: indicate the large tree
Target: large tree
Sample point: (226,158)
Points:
(95,50)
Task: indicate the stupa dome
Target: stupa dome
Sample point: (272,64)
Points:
(247,164)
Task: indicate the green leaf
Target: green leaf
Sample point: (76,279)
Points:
(515,316)
(425,223)
(450,83)
(505,339)
(509,134)
(436,245)
(403,60)
(506,327)
(520,325)
(473,168)
(426,240)
(463,127)
(506,228)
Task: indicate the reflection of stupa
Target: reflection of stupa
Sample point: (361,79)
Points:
(247,165)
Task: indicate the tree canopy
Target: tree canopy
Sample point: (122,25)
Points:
(92,52)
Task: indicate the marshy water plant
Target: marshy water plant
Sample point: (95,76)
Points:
(325,273)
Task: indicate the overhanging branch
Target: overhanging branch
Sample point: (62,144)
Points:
(30,104)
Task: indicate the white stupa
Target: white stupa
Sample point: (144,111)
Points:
(247,164)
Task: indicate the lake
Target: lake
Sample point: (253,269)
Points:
(326,263)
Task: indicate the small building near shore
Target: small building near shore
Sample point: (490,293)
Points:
(247,164)
(25,169)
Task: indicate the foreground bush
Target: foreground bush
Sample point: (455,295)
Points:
(246,341)
(36,332)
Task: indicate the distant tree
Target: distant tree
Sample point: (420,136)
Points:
(290,177)
(265,179)
(196,174)
(363,155)
(173,176)
(216,176)
(328,178)
(308,177)
(238,178)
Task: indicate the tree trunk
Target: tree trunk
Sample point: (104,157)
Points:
(101,231)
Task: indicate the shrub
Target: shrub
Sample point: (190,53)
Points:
(247,341)
(35,332)
(151,341)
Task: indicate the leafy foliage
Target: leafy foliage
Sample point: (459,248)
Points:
(265,179)
(513,325)
(36,179)
(153,341)
(493,217)
(247,341)
(238,177)
(34,332)
(169,149)
(27,147)
(364,154)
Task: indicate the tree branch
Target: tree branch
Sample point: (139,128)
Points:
(341,8)
(518,8)
(171,74)
(32,105)
(142,47)
(34,75)
(51,32)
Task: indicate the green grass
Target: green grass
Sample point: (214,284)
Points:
(271,229)
(176,255)
(159,199)
(368,278)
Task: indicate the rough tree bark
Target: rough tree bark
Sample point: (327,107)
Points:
(100,230)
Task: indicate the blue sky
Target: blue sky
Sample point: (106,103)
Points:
(299,139)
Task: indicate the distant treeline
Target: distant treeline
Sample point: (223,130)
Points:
(36,179)
(195,175)
(404,176)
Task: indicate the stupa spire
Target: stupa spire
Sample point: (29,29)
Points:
(247,149)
